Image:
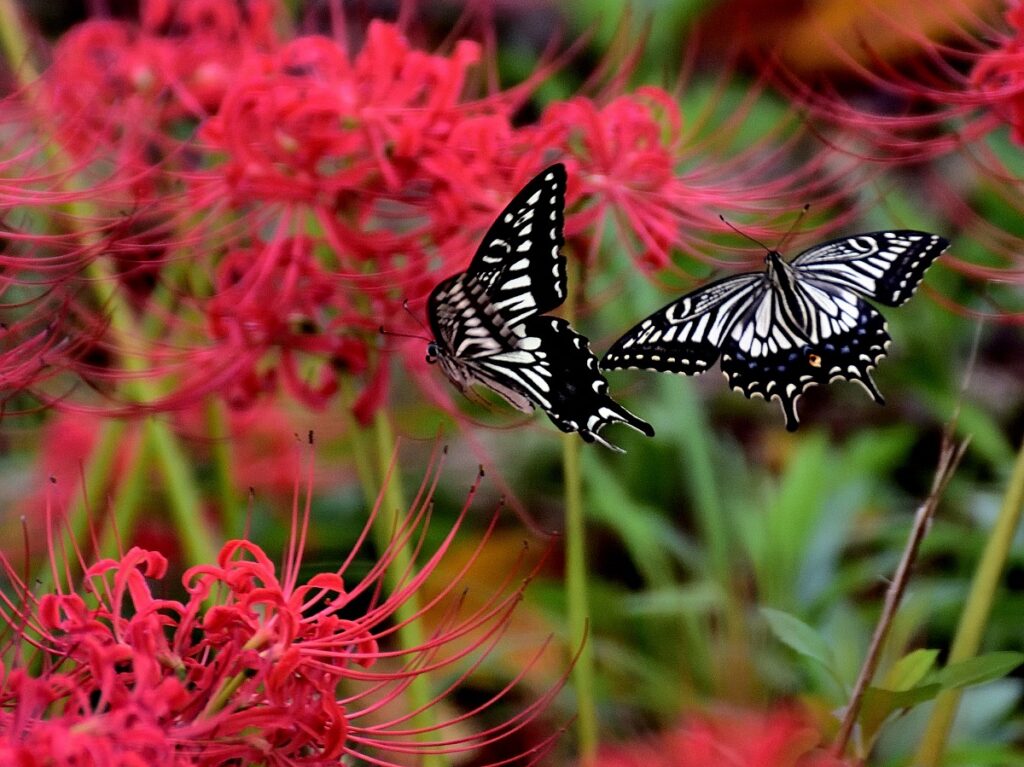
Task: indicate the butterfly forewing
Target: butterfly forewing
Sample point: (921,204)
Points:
(884,266)
(520,261)
(686,335)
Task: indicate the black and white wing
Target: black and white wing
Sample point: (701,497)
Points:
(770,354)
(489,329)
(798,325)
(686,336)
(554,367)
(520,263)
(883,266)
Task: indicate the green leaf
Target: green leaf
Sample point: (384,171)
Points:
(698,599)
(978,670)
(796,634)
(879,704)
(909,670)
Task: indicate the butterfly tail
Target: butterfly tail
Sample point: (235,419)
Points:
(789,411)
(868,383)
(611,411)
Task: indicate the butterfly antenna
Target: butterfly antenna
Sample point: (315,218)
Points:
(793,226)
(405,305)
(385,332)
(742,234)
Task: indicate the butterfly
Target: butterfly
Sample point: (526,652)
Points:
(792,326)
(490,325)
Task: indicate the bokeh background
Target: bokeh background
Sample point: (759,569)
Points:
(871,113)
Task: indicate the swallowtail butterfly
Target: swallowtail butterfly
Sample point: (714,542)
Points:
(490,327)
(793,326)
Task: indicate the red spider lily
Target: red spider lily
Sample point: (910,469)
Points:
(310,123)
(323,189)
(999,75)
(943,98)
(777,739)
(280,300)
(932,98)
(115,83)
(256,664)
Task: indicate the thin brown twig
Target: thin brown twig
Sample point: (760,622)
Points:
(949,457)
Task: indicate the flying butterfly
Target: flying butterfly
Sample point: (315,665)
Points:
(490,327)
(791,327)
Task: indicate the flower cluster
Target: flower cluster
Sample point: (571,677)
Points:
(253,665)
(734,739)
(999,75)
(244,208)
(947,117)
(118,84)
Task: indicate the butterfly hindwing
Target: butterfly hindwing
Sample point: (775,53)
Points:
(581,403)
(785,373)
(884,266)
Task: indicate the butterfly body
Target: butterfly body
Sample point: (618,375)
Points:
(490,327)
(795,325)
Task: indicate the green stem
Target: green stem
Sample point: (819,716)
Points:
(378,443)
(217,429)
(185,502)
(102,278)
(362,451)
(128,501)
(576,595)
(975,615)
(576,587)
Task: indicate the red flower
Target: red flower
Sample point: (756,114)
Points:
(115,83)
(278,298)
(321,191)
(309,123)
(932,96)
(253,665)
(999,75)
(779,739)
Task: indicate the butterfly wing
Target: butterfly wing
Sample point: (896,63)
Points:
(519,263)
(769,355)
(488,326)
(579,401)
(551,366)
(464,321)
(884,266)
(686,335)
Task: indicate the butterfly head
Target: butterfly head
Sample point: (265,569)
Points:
(779,272)
(433,352)
(773,260)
